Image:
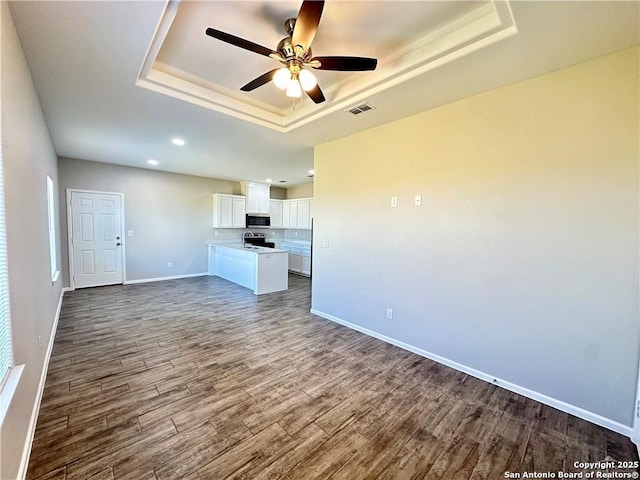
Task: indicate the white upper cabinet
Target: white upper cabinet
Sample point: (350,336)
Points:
(304,213)
(297,213)
(228,211)
(286,207)
(293,213)
(239,213)
(257,196)
(275,212)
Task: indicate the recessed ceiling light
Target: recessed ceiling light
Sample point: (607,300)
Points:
(178,141)
(152,162)
(268,180)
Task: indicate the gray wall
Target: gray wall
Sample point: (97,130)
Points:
(170,215)
(27,158)
(522,262)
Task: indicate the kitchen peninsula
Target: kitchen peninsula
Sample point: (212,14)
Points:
(261,269)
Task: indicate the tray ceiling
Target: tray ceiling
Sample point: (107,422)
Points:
(90,59)
(184,63)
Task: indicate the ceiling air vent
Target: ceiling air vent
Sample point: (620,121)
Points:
(358,109)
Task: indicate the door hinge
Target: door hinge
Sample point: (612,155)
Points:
(638,408)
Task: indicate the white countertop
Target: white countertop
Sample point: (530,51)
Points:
(248,249)
(301,243)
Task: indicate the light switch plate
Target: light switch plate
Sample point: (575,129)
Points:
(130,233)
(418,200)
(324,243)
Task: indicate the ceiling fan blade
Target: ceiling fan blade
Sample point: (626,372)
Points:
(346,64)
(239,42)
(258,82)
(316,94)
(307,23)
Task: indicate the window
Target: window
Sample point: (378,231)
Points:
(53,255)
(6,356)
(9,373)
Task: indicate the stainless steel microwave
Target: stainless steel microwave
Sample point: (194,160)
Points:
(258,221)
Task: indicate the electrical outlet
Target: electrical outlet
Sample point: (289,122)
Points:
(215,233)
(39,342)
(170,264)
(394,202)
(389,313)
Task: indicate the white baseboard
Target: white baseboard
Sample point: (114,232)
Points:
(26,451)
(162,279)
(540,397)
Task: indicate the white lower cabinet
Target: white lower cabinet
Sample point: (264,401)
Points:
(305,268)
(299,258)
(295,259)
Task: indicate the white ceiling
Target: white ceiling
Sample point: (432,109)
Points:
(117,79)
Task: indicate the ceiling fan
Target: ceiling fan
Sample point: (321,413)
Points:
(294,52)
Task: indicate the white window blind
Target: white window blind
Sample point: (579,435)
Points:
(6,356)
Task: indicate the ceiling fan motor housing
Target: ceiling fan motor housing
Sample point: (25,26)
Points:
(286,50)
(289,25)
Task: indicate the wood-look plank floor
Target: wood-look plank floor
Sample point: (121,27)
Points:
(199,379)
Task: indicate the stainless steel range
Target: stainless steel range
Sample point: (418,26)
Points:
(257,239)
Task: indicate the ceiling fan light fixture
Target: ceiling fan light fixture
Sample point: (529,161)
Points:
(282,78)
(307,80)
(294,89)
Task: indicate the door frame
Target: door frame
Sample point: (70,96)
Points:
(72,283)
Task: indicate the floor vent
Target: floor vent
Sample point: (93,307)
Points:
(358,109)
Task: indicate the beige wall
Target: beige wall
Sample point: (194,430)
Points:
(170,215)
(522,262)
(278,193)
(300,191)
(27,158)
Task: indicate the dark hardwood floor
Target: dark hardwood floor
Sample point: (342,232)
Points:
(199,379)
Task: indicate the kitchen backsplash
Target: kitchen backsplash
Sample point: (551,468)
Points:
(272,235)
(297,234)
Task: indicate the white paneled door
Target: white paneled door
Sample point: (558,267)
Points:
(96,239)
